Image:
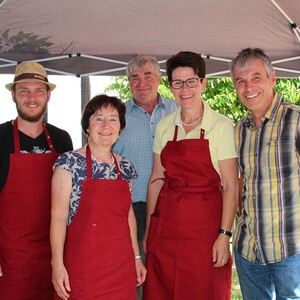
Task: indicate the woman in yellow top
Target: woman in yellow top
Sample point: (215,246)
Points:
(192,194)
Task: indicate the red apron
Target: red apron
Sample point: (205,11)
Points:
(25,203)
(98,253)
(184,227)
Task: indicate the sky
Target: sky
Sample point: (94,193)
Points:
(64,107)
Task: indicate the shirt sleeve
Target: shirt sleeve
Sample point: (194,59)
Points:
(157,145)
(128,169)
(119,145)
(225,140)
(63,161)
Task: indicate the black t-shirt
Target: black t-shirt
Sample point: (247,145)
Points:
(60,138)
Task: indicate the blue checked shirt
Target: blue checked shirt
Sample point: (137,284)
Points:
(269,225)
(136,141)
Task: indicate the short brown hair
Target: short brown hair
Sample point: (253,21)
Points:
(186,59)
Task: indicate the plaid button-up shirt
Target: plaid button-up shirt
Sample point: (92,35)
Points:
(269,225)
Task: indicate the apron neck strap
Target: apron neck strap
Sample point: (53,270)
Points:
(175,133)
(89,173)
(202,132)
(17,137)
(49,141)
(117,167)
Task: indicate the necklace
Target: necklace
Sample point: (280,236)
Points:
(102,161)
(191,124)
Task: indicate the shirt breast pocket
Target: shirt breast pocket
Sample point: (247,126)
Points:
(278,154)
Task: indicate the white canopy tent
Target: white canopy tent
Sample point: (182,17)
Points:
(97,37)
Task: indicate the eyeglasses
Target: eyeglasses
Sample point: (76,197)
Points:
(191,82)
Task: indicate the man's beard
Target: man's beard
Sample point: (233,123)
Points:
(31,118)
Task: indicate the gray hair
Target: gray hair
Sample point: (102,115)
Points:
(246,56)
(140,61)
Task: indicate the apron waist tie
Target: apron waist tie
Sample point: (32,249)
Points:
(189,189)
(194,189)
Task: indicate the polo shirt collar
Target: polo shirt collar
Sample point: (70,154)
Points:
(161,102)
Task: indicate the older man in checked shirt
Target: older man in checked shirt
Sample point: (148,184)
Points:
(143,112)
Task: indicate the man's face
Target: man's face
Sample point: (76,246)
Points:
(254,87)
(144,83)
(31,100)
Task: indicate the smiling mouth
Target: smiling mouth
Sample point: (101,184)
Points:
(186,97)
(31,104)
(105,134)
(251,96)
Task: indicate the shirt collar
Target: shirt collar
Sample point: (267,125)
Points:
(270,114)
(161,102)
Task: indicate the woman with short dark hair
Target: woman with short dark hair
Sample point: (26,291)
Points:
(95,253)
(192,193)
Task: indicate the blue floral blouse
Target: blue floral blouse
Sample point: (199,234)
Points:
(75,163)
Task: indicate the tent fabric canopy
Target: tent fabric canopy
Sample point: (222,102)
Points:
(97,37)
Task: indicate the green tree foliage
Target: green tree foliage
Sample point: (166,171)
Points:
(289,89)
(219,93)
(221,96)
(164,89)
(120,85)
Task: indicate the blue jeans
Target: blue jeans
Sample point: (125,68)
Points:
(280,280)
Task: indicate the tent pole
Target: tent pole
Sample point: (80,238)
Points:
(85,97)
(294,26)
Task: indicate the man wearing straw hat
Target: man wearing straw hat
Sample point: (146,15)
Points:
(28,150)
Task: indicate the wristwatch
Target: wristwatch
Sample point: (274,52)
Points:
(225,232)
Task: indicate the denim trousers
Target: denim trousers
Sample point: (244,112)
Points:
(279,280)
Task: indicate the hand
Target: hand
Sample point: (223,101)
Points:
(1,273)
(220,251)
(140,272)
(60,280)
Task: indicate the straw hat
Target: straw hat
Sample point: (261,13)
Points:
(30,71)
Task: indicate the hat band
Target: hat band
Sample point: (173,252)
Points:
(30,76)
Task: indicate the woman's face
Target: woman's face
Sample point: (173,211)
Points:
(186,96)
(104,126)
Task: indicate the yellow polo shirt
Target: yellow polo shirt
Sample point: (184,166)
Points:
(218,130)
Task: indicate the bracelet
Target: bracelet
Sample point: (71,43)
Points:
(225,232)
(138,256)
